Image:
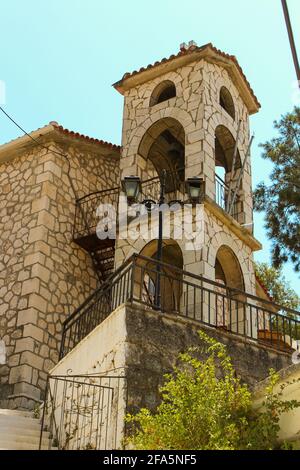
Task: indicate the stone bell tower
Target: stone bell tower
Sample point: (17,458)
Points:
(186,117)
(189,114)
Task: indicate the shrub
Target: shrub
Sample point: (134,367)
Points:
(206,407)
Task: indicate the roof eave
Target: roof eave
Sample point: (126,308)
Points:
(52,133)
(207,52)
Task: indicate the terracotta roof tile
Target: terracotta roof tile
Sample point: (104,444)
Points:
(191,50)
(260,282)
(77,135)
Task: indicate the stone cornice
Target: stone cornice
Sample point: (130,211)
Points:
(241,232)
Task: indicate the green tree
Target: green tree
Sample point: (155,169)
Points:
(281,199)
(277,286)
(206,407)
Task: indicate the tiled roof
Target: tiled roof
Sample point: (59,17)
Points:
(77,135)
(260,282)
(190,50)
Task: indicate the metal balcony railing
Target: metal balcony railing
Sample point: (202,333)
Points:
(91,208)
(87,213)
(186,295)
(222,195)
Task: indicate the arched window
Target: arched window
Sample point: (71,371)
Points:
(226,102)
(170,280)
(224,149)
(228,269)
(226,168)
(230,306)
(163,92)
(164,145)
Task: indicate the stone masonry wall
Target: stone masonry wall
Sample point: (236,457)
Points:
(197,108)
(44,276)
(143,345)
(154,341)
(199,253)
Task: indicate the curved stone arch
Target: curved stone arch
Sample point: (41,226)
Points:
(146,280)
(154,131)
(224,239)
(174,77)
(224,149)
(219,120)
(227,103)
(180,115)
(227,83)
(140,245)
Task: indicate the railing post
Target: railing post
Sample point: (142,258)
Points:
(43,415)
(62,344)
(132,277)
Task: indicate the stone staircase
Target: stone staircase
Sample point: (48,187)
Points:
(20,430)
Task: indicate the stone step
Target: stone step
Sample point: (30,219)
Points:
(4,430)
(18,438)
(9,445)
(19,421)
(24,414)
(20,430)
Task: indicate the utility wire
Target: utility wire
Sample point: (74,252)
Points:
(291,39)
(65,156)
(48,150)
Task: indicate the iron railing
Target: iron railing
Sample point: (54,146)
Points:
(83,412)
(222,195)
(187,295)
(86,210)
(112,293)
(87,213)
(87,207)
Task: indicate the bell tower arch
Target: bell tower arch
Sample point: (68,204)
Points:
(189,114)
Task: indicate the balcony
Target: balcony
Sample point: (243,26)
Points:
(86,218)
(222,197)
(186,295)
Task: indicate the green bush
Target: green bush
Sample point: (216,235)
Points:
(206,407)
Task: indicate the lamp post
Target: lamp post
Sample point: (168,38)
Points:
(131,186)
(157,299)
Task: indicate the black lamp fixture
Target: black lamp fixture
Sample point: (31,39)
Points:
(195,189)
(131,186)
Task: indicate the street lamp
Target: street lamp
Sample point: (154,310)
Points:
(195,189)
(131,185)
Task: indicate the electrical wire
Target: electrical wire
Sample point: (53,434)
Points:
(291,38)
(65,156)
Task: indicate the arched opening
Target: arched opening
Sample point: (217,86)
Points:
(146,276)
(228,269)
(224,154)
(230,311)
(226,102)
(163,92)
(224,149)
(163,145)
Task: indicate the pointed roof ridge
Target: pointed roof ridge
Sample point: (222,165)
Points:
(187,53)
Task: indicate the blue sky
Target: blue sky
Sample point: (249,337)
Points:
(59,59)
